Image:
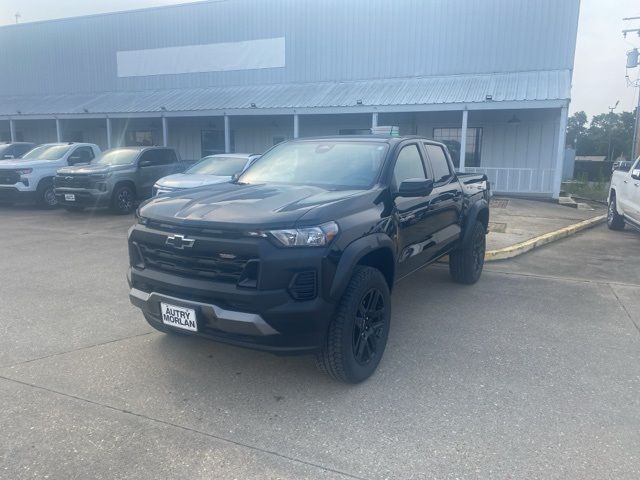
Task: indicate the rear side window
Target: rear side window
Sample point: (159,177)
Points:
(439,163)
(408,165)
(160,156)
(83,155)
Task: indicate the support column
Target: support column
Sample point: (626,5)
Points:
(296,126)
(374,119)
(58,130)
(108,133)
(165,131)
(557,174)
(463,140)
(12,130)
(227,135)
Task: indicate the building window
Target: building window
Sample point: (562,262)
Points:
(451,138)
(212,142)
(139,138)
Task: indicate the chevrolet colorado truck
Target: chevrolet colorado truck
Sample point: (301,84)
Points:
(31,177)
(301,252)
(118,178)
(624,198)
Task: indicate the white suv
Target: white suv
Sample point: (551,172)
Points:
(31,177)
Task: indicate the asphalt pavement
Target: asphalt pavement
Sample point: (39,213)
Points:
(531,373)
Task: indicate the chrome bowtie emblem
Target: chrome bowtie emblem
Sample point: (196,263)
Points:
(180,242)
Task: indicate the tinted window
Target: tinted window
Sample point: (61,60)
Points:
(451,138)
(20,150)
(82,155)
(159,157)
(441,171)
(408,165)
(327,163)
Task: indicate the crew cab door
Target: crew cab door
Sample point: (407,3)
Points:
(446,202)
(625,188)
(152,166)
(416,216)
(632,193)
(81,155)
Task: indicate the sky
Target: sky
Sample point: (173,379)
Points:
(598,79)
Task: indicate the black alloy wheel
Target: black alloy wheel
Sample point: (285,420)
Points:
(368,326)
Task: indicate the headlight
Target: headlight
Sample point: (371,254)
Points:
(100,176)
(25,171)
(306,237)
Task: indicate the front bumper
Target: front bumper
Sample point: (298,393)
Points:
(83,197)
(266,320)
(14,194)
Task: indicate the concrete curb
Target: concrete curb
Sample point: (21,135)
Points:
(535,242)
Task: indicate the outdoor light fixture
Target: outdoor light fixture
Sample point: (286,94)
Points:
(489,97)
(86,110)
(359,102)
(514,120)
(18,112)
(163,108)
(253,105)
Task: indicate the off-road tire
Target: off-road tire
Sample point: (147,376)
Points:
(467,262)
(118,205)
(45,195)
(337,355)
(615,221)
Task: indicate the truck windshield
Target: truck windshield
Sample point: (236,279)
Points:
(47,152)
(222,166)
(117,156)
(338,164)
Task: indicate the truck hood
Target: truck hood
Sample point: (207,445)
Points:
(236,206)
(27,163)
(91,169)
(186,180)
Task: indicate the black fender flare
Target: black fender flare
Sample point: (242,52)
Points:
(472,216)
(354,252)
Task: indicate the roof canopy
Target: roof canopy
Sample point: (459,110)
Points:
(524,89)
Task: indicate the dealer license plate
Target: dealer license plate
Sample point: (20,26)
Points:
(70,197)
(179,317)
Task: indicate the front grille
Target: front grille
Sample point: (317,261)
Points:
(9,177)
(194,265)
(303,286)
(72,181)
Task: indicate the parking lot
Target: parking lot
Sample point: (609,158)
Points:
(531,373)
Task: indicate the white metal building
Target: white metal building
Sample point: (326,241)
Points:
(491,78)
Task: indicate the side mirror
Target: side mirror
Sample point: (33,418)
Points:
(235,177)
(145,163)
(415,187)
(636,174)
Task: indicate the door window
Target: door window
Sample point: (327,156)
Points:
(81,155)
(408,165)
(439,163)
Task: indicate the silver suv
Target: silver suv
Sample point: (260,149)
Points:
(118,178)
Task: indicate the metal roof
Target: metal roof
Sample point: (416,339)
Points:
(422,91)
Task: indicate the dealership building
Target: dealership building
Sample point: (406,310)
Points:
(490,78)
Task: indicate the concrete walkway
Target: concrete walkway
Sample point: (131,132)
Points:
(515,220)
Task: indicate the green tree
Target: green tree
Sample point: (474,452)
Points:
(607,133)
(576,128)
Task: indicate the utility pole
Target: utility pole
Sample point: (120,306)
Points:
(611,109)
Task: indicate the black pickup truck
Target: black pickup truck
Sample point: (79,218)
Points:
(301,252)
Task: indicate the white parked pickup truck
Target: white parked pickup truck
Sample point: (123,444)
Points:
(624,198)
(31,177)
